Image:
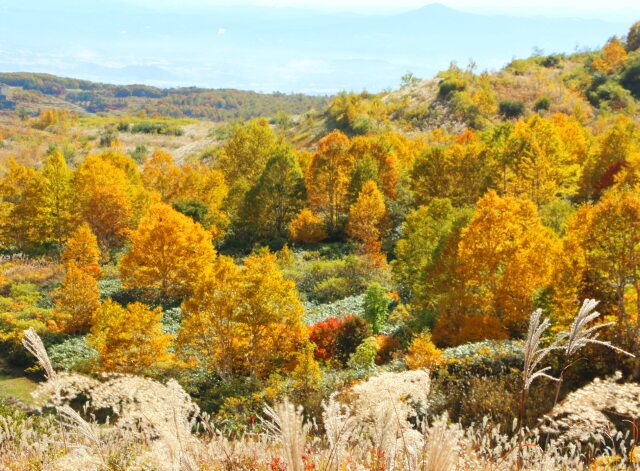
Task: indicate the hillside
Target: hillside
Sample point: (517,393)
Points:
(33,92)
(444,276)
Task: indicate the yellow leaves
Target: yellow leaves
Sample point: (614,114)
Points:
(505,254)
(169,252)
(306,228)
(82,250)
(612,57)
(543,164)
(77,300)
(243,319)
(367,216)
(130,340)
(328,177)
(423,353)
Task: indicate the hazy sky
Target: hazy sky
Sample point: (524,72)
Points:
(612,9)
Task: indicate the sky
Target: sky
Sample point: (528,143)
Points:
(226,44)
(615,10)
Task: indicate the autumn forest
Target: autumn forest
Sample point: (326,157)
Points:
(397,280)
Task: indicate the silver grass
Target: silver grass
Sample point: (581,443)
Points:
(580,335)
(286,425)
(32,342)
(533,354)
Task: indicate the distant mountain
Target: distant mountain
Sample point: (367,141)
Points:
(267,49)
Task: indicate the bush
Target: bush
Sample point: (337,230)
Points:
(332,289)
(423,353)
(376,306)
(631,78)
(363,359)
(489,357)
(542,104)
(351,334)
(73,354)
(511,109)
(449,86)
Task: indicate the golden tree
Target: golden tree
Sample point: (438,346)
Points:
(328,178)
(613,56)
(82,250)
(130,340)
(211,325)
(367,218)
(76,302)
(505,256)
(24,211)
(243,320)
(60,203)
(159,173)
(169,251)
(306,228)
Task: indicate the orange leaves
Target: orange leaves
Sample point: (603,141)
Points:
(367,218)
(307,228)
(169,252)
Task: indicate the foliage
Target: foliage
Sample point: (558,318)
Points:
(74,354)
(363,359)
(422,353)
(511,109)
(77,300)
(169,251)
(376,306)
(306,228)
(130,340)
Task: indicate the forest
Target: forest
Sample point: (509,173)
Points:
(444,276)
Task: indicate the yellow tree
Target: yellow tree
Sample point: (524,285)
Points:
(108,200)
(76,302)
(612,244)
(543,166)
(169,251)
(25,214)
(367,216)
(211,327)
(243,320)
(82,250)
(59,200)
(272,314)
(505,256)
(328,178)
(306,228)
(130,340)
(613,56)
(159,173)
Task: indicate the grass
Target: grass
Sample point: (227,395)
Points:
(18,387)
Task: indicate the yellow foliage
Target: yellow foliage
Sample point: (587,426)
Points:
(505,255)
(169,252)
(306,228)
(243,320)
(77,300)
(130,340)
(328,177)
(82,250)
(613,56)
(367,216)
(423,353)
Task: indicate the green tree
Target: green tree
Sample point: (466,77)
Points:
(376,306)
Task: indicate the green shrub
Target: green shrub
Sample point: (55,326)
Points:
(449,86)
(511,109)
(376,306)
(73,354)
(363,359)
(542,104)
(631,78)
